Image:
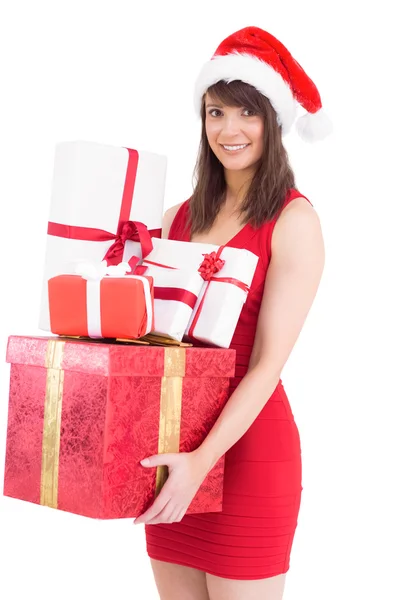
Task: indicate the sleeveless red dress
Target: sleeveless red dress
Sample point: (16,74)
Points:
(252,537)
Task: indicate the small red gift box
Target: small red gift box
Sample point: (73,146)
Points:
(82,414)
(110,307)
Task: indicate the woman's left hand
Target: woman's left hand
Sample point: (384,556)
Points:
(187,471)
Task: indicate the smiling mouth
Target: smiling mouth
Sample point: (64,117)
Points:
(234,148)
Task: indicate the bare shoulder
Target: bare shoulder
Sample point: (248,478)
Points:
(168,218)
(291,284)
(297,226)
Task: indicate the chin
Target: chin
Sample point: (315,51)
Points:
(236,165)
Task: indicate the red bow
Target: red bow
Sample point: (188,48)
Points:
(128,232)
(137,232)
(210,265)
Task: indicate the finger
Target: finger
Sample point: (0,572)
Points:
(182,514)
(161,501)
(168,516)
(164,516)
(156,460)
(178,514)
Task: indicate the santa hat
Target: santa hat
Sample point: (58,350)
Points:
(254,56)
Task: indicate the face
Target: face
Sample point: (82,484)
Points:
(235,134)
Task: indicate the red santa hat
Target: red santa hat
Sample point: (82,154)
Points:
(254,56)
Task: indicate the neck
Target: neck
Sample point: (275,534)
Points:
(237,184)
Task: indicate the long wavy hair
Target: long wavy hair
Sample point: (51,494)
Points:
(271,181)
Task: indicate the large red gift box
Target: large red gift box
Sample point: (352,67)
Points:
(82,414)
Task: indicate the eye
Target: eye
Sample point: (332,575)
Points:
(249,110)
(213,110)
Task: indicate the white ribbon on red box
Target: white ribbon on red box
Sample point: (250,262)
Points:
(94,273)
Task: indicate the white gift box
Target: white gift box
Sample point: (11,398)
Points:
(175,296)
(96,188)
(214,317)
(177,283)
(220,302)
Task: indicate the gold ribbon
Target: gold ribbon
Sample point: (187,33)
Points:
(169,425)
(52,423)
(170,408)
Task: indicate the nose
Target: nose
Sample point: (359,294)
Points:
(231,125)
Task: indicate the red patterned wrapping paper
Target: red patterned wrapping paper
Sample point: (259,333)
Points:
(109,413)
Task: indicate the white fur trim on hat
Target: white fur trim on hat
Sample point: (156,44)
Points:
(313,127)
(255,72)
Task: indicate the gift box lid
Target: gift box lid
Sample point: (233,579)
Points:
(117,359)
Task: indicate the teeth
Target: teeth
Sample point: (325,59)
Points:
(235,147)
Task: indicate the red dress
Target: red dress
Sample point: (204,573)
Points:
(252,537)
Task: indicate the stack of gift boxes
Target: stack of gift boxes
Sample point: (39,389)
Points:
(118,378)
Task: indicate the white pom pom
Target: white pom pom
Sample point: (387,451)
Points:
(313,127)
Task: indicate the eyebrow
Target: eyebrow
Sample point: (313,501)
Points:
(216,105)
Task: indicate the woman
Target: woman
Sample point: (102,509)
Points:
(245,197)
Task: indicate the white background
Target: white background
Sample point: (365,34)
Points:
(122,73)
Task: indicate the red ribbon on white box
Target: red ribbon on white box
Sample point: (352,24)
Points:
(93,275)
(171,293)
(211,264)
(126,230)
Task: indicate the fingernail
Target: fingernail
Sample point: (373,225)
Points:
(145,462)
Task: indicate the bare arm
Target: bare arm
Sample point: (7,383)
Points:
(291,284)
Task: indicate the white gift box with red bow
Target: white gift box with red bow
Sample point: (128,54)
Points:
(226,275)
(97,192)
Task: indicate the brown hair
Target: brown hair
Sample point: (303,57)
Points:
(271,181)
